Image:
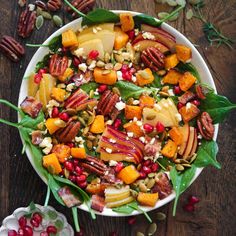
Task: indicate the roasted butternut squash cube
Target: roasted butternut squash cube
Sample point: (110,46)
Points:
(147,199)
(67,74)
(53,124)
(144,77)
(78,152)
(146,101)
(105,76)
(58,94)
(52,164)
(189,112)
(69,38)
(186,81)
(134,128)
(169,149)
(62,152)
(133,111)
(176,135)
(128,174)
(171,61)
(172,77)
(183,52)
(98,125)
(127,22)
(121,38)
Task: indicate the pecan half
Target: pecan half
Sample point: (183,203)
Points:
(26,23)
(11,48)
(41,4)
(205,126)
(67,134)
(58,65)
(153,58)
(82,5)
(54,5)
(106,105)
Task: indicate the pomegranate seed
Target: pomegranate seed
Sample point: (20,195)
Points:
(148,128)
(154,167)
(193,200)
(78,170)
(102,88)
(189,207)
(34,223)
(196,102)
(119,166)
(132,220)
(37,217)
(42,71)
(93,54)
(28,231)
(127,75)
(64,116)
(146,170)
(20,232)
(64,49)
(160,127)
(51,229)
(68,165)
(22,221)
(82,185)
(12,233)
(44,233)
(177,90)
(80,178)
(117,123)
(71,145)
(142,175)
(55,112)
(76,163)
(124,68)
(76,61)
(147,163)
(72,178)
(180,105)
(131,34)
(132,70)
(37,78)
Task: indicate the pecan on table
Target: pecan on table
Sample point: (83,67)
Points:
(11,48)
(205,126)
(26,23)
(54,5)
(106,105)
(82,5)
(58,65)
(153,58)
(42,5)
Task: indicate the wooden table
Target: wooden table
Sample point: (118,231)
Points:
(215,214)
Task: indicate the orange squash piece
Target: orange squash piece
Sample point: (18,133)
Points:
(95,188)
(127,22)
(169,149)
(147,199)
(146,101)
(188,113)
(78,152)
(133,111)
(62,152)
(171,61)
(183,52)
(128,174)
(52,164)
(67,74)
(58,94)
(69,38)
(172,77)
(52,125)
(121,38)
(134,128)
(186,81)
(176,135)
(105,76)
(144,77)
(98,125)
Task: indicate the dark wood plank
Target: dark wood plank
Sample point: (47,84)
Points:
(215,213)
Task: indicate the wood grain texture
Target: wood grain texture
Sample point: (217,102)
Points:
(215,214)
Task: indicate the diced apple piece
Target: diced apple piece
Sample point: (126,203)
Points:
(104,26)
(107,38)
(32,86)
(120,203)
(190,143)
(144,44)
(185,131)
(111,191)
(118,197)
(94,44)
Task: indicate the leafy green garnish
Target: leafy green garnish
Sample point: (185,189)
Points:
(206,155)
(52,215)
(217,106)
(188,67)
(32,123)
(164,162)
(43,63)
(128,90)
(59,224)
(89,86)
(157,81)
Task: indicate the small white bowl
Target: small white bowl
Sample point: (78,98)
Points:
(11,222)
(197,61)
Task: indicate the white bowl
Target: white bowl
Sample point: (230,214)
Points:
(197,61)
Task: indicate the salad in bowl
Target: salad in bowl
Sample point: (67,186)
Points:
(118,114)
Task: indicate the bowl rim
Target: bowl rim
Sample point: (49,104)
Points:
(75,24)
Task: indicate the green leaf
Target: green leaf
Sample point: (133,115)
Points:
(128,90)
(100,15)
(181,181)
(55,43)
(43,63)
(157,81)
(75,218)
(184,67)
(32,123)
(126,209)
(217,106)
(89,86)
(164,162)
(206,155)
(59,224)
(52,215)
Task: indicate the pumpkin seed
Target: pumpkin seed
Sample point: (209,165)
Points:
(133,193)
(151,175)
(179,167)
(109,66)
(85,131)
(60,123)
(183,161)
(152,229)
(107,57)
(164,94)
(143,187)
(46,15)
(91,93)
(189,14)
(117,66)
(89,144)
(91,137)
(177,161)
(39,22)
(115,90)
(82,121)
(194,2)
(100,64)
(57,20)
(119,58)
(150,183)
(160,216)
(165,89)
(171,3)
(181,2)
(162,15)
(140,234)
(193,158)
(39,11)
(161,72)
(85,115)
(91,119)
(186,165)
(67,173)
(71,111)
(105,72)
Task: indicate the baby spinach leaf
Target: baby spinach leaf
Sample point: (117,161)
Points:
(217,106)
(89,86)
(126,209)
(32,123)
(184,67)
(181,181)
(128,90)
(43,63)
(206,155)
(100,15)
(164,162)
(55,43)
(157,81)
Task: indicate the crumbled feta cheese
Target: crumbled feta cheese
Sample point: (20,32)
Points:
(108,150)
(199,143)
(112,163)
(136,32)
(112,140)
(134,79)
(157,106)
(120,105)
(199,136)
(142,139)
(130,134)
(95,30)
(119,75)
(170,92)
(53,103)
(79,139)
(136,102)
(109,122)
(31,7)
(148,35)
(152,141)
(178,117)
(47,150)
(96,92)
(188,105)
(92,65)
(130,64)
(126,56)
(135,119)
(46,144)
(98,28)
(79,52)
(70,87)
(83,67)
(139,123)
(81,145)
